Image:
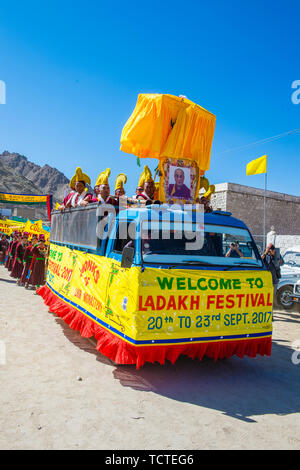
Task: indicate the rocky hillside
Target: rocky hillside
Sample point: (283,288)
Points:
(18,174)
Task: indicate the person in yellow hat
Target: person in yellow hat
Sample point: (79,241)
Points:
(119,185)
(206,197)
(178,189)
(147,183)
(78,196)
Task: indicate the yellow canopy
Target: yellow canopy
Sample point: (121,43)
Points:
(36,228)
(9,226)
(169,126)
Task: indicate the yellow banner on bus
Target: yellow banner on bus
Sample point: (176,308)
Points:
(36,228)
(163,306)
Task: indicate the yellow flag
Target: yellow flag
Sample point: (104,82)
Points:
(257,166)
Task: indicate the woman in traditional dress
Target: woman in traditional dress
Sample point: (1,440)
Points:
(119,185)
(77,197)
(37,267)
(17,267)
(27,261)
(3,249)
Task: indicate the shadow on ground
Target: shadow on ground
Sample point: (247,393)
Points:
(10,281)
(238,387)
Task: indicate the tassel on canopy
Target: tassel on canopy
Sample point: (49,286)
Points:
(122,352)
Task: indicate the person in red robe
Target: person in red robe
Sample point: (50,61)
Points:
(37,266)
(13,251)
(27,258)
(3,249)
(17,267)
(78,196)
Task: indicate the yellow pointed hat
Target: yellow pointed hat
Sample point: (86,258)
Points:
(79,176)
(120,181)
(210,191)
(103,177)
(146,177)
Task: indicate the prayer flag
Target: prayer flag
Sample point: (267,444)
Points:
(255,167)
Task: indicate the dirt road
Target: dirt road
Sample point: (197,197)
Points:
(57,392)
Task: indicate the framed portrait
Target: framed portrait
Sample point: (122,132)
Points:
(179,180)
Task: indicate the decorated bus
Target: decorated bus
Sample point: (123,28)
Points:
(151,282)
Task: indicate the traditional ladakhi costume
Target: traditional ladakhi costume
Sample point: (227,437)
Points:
(119,185)
(7,257)
(37,266)
(205,199)
(3,249)
(27,258)
(146,177)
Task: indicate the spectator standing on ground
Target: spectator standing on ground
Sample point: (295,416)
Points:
(273,264)
(234,251)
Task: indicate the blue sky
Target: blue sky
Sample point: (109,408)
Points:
(73,71)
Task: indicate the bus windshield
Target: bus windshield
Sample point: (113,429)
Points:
(172,243)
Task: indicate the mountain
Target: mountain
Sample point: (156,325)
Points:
(12,182)
(21,175)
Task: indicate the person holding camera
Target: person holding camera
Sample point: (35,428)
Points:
(273,263)
(234,251)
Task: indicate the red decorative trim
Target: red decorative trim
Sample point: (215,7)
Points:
(122,352)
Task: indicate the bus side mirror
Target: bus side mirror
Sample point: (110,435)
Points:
(127,257)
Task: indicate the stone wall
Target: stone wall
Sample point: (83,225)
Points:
(247,203)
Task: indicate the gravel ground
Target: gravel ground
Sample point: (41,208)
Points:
(58,392)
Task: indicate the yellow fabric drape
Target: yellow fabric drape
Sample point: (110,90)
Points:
(169,126)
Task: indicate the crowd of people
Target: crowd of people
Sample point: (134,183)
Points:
(25,258)
(146,191)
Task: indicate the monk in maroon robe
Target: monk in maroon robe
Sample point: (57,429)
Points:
(37,267)
(17,267)
(3,249)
